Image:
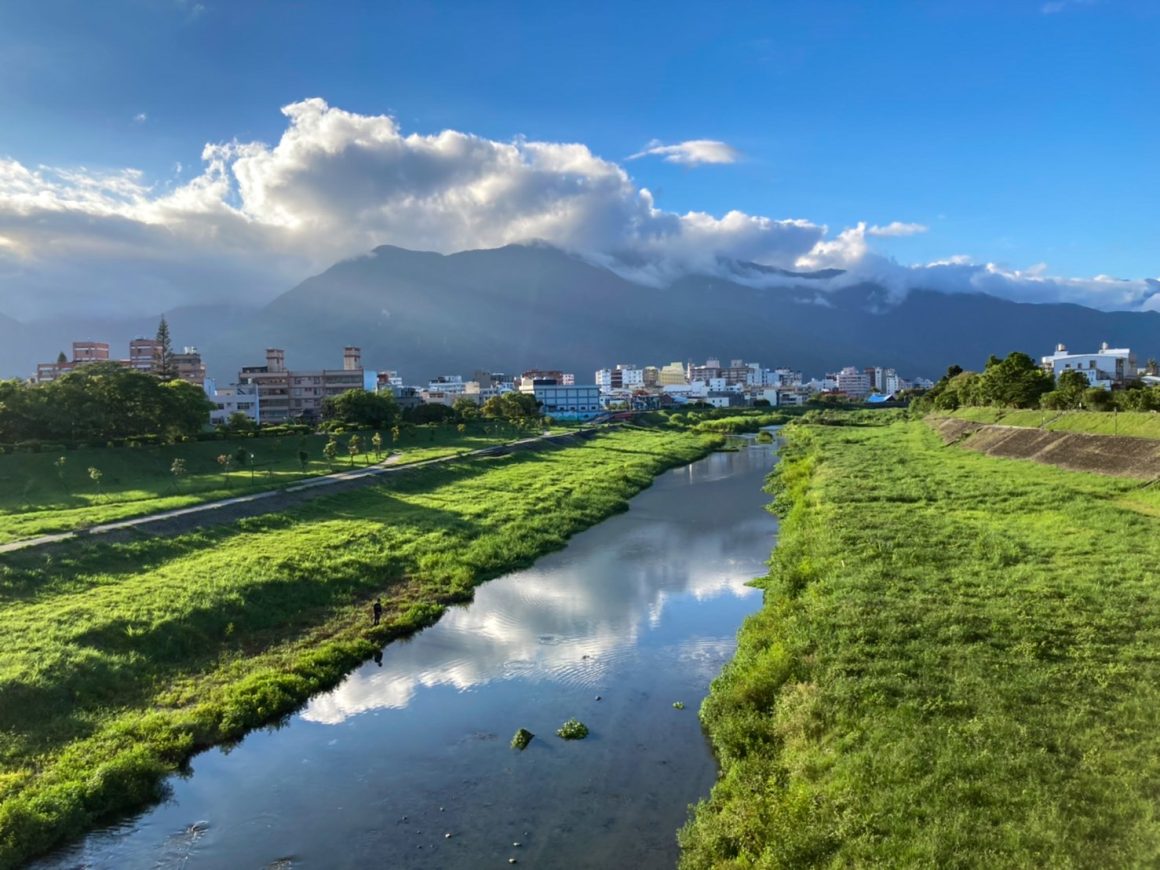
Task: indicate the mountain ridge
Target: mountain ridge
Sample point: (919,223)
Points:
(536,306)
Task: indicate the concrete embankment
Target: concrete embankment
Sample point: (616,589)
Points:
(1116,455)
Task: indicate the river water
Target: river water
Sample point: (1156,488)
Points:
(633,615)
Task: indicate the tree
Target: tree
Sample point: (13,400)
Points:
(396,432)
(60,462)
(163,365)
(225,461)
(361,408)
(1097,399)
(177,469)
(1069,387)
(377,444)
(1014,382)
(95,475)
(61,359)
(466,409)
(240,423)
(1153,367)
(353,446)
(303,459)
(330,451)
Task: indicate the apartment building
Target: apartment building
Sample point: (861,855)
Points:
(286,394)
(143,356)
(1107,367)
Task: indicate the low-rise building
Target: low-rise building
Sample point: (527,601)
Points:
(234,399)
(568,401)
(1107,367)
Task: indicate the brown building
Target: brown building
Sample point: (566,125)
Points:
(285,395)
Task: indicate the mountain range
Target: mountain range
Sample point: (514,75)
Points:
(535,306)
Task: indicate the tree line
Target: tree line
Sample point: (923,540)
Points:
(101,402)
(1017,381)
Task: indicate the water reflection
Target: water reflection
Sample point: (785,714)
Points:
(641,611)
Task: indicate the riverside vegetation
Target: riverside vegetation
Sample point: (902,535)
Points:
(955,666)
(46,492)
(120,660)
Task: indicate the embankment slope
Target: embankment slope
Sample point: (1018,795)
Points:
(1116,455)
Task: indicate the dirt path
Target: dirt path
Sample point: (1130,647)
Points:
(271,501)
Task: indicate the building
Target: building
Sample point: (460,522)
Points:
(567,401)
(290,395)
(1108,367)
(672,375)
(853,382)
(234,399)
(143,357)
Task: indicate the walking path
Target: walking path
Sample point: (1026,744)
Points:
(230,509)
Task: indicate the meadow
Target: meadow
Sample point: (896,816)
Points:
(39,496)
(1139,424)
(119,660)
(955,666)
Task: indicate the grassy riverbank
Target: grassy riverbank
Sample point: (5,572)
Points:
(38,496)
(117,661)
(1139,424)
(955,667)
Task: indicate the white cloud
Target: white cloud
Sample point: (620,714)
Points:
(897,228)
(694,152)
(259,217)
(140,118)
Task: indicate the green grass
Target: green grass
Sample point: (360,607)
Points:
(118,660)
(956,666)
(38,498)
(1139,424)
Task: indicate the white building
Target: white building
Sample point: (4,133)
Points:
(853,382)
(1108,366)
(234,399)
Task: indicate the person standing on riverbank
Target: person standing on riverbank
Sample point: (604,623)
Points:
(378,610)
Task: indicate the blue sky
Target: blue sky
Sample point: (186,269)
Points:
(1017,133)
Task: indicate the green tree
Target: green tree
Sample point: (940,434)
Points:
(96,475)
(61,359)
(303,460)
(1070,387)
(1097,399)
(330,451)
(466,409)
(240,423)
(60,463)
(353,446)
(396,433)
(1013,382)
(163,365)
(377,444)
(362,409)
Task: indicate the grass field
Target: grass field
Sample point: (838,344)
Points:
(117,660)
(1139,424)
(956,666)
(37,497)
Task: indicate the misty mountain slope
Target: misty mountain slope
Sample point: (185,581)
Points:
(534,306)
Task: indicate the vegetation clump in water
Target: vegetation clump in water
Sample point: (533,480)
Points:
(522,739)
(573,729)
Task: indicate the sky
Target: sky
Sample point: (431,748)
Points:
(156,153)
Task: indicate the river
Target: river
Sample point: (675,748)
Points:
(634,615)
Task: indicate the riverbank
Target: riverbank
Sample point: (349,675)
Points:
(118,661)
(955,666)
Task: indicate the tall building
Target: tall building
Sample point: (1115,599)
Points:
(853,382)
(1106,367)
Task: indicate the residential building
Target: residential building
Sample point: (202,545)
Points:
(286,394)
(234,399)
(1108,367)
(143,353)
(567,401)
(672,375)
(853,382)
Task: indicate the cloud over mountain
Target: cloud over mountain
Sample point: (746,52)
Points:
(261,216)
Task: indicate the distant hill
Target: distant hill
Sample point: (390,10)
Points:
(533,306)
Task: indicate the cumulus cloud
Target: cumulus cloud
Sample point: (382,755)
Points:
(140,118)
(690,153)
(258,217)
